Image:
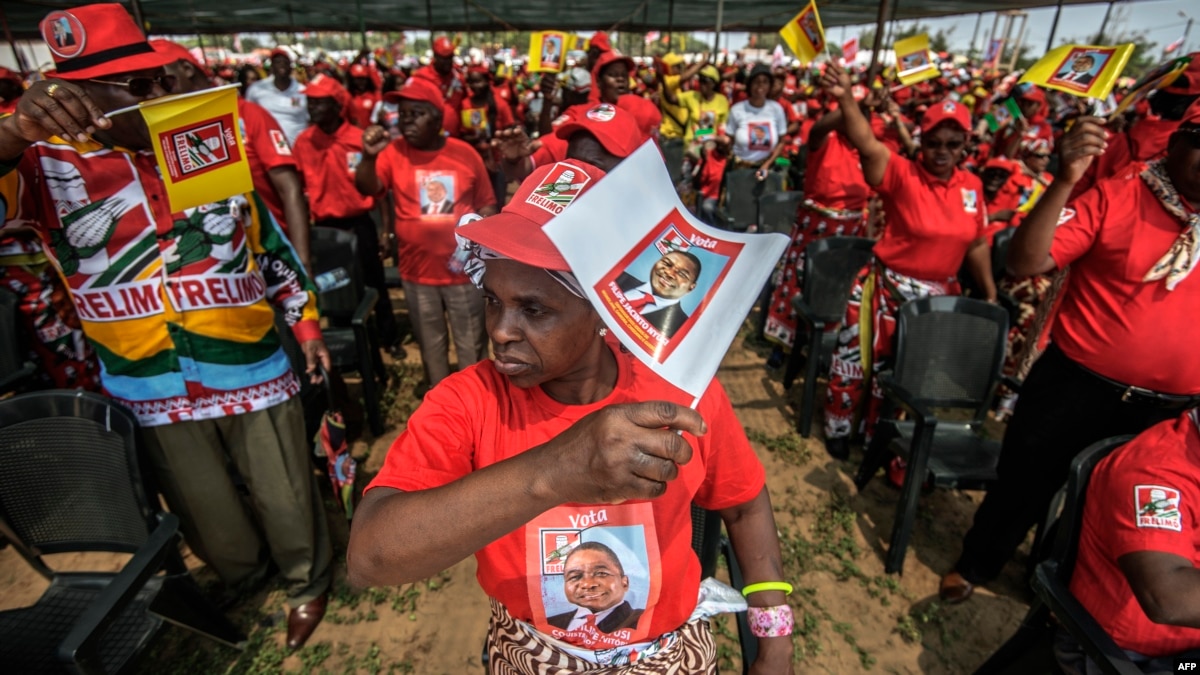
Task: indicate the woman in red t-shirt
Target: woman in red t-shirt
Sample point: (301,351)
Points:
(569,469)
(935,222)
(480,115)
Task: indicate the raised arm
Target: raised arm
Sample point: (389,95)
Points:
(615,454)
(874,154)
(366,180)
(1029,252)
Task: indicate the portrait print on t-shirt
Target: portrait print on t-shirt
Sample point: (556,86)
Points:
(594,574)
(437,193)
(664,283)
(761,138)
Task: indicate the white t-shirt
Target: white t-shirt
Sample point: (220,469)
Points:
(289,107)
(755,131)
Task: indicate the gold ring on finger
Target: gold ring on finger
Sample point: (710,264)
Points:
(51,89)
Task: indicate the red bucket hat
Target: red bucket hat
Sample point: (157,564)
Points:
(516,232)
(96,41)
(616,129)
(1188,82)
(946,111)
(178,52)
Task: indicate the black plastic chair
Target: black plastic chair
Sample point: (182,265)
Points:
(1001,242)
(1051,583)
(15,367)
(742,192)
(349,306)
(777,211)
(949,352)
(71,481)
(830,266)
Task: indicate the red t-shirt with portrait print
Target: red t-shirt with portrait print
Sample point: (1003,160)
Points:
(266,148)
(432,189)
(328,163)
(1143,497)
(477,417)
(930,222)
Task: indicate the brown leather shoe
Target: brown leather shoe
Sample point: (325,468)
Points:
(955,588)
(303,620)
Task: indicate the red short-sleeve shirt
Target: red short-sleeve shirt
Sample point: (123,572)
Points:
(1144,497)
(477,418)
(432,190)
(834,178)
(266,148)
(1110,321)
(930,223)
(328,163)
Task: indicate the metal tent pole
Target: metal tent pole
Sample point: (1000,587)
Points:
(670,24)
(885,8)
(974,36)
(1054,26)
(1012,62)
(1104,24)
(25,69)
(136,6)
(720,18)
(362,25)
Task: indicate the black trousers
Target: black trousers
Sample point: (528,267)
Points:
(1062,410)
(364,230)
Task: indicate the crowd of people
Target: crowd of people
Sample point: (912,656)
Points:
(561,462)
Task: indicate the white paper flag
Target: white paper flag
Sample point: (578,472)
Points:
(673,290)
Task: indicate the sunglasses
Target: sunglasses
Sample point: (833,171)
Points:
(950,145)
(1041,155)
(143,86)
(1191,135)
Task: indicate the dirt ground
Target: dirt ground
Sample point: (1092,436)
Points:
(851,617)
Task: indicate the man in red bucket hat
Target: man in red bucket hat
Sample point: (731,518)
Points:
(176,306)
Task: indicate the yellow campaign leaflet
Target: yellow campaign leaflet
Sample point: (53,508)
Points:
(548,51)
(1089,71)
(804,33)
(913,64)
(198,147)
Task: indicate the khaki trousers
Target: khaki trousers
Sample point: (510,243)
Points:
(429,310)
(192,462)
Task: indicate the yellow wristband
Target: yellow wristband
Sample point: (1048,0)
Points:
(768,586)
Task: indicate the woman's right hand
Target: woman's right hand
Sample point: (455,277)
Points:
(835,81)
(621,452)
(375,139)
(1086,140)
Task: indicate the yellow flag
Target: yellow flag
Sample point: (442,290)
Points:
(548,51)
(804,33)
(575,42)
(912,60)
(198,146)
(1081,70)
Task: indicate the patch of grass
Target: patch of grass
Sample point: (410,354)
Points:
(788,446)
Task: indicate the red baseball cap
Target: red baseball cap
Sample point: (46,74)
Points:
(616,129)
(443,46)
(324,86)
(359,70)
(96,41)
(1192,114)
(599,40)
(280,51)
(608,58)
(417,89)
(1033,93)
(946,111)
(178,52)
(516,232)
(1188,82)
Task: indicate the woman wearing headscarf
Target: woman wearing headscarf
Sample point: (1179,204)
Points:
(569,470)
(935,216)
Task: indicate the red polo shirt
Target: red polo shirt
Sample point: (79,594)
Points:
(1143,497)
(426,214)
(452,86)
(327,163)
(834,178)
(1111,321)
(360,109)
(266,148)
(930,222)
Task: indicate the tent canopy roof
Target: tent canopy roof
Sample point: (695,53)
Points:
(226,16)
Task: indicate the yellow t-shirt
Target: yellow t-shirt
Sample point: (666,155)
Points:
(706,114)
(675,115)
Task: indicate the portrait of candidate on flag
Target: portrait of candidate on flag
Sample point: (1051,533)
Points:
(1080,67)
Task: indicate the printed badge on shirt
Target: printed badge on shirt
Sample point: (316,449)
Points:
(1157,506)
(760,136)
(594,574)
(353,159)
(970,200)
(280,142)
(1064,216)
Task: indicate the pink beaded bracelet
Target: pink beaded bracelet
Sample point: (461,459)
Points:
(768,622)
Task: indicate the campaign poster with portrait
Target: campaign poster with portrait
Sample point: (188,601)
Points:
(593,572)
(547,51)
(1080,67)
(912,60)
(436,193)
(672,289)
